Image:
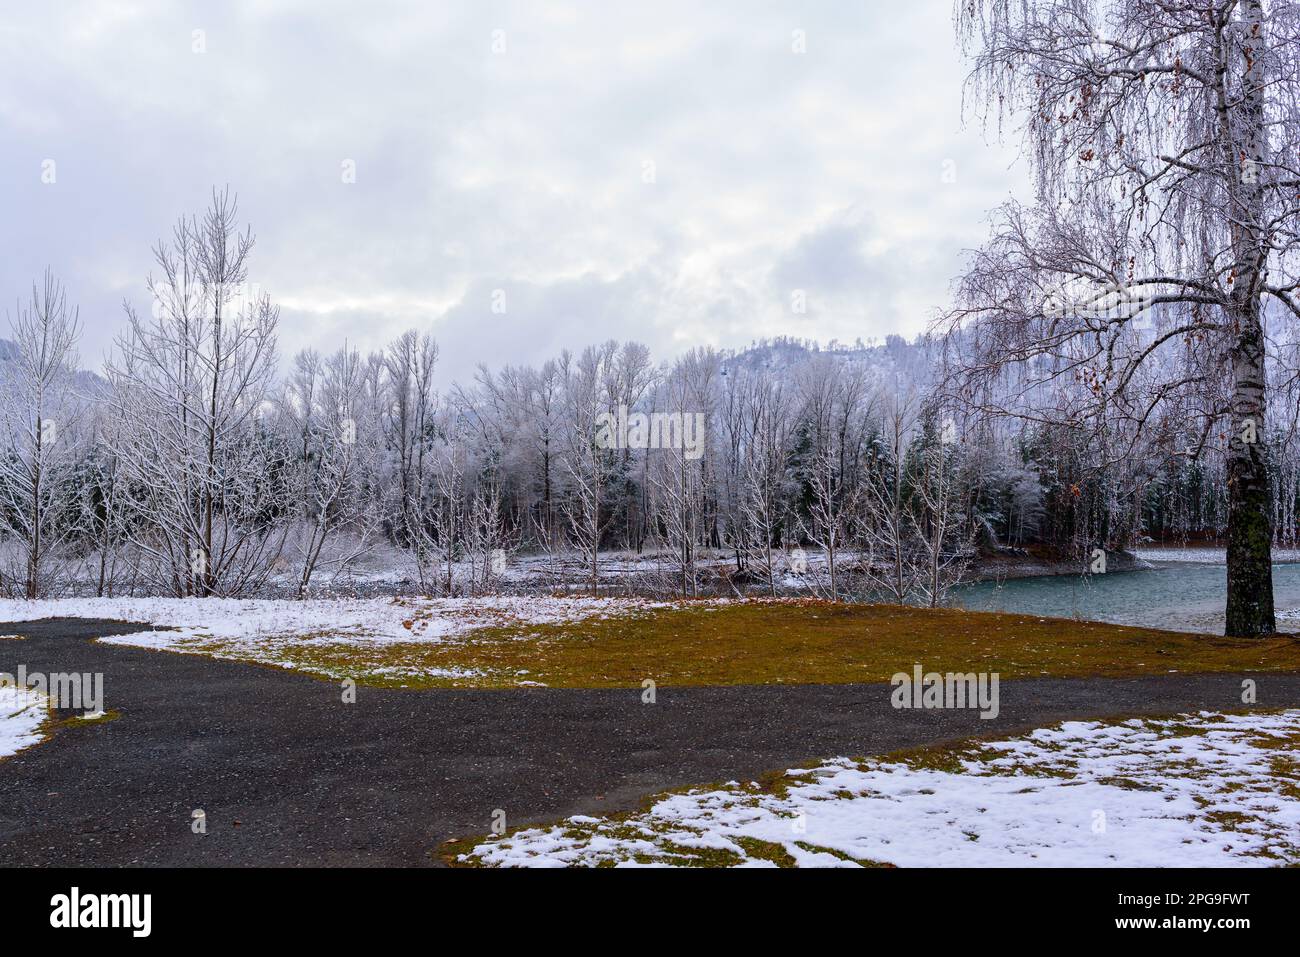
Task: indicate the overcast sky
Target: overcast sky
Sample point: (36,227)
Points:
(668,172)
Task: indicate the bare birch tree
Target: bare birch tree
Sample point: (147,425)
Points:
(1164,136)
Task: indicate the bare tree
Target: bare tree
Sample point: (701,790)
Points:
(943,530)
(490,540)
(834,408)
(677,496)
(192,378)
(105,503)
(678,476)
(336,451)
(884,522)
(764,455)
(545,395)
(36,432)
(436,511)
(586,463)
(1164,135)
(408,366)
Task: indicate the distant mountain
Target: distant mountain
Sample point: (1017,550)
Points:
(895,357)
(86,382)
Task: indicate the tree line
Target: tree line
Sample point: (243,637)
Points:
(198,464)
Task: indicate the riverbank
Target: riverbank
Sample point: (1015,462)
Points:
(1010,564)
(1185,596)
(1204,554)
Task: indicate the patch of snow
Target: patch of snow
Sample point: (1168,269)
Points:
(260,629)
(1193,791)
(370,620)
(1206,555)
(22,712)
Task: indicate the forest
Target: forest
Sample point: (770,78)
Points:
(198,462)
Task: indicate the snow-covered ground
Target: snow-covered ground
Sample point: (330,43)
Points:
(263,630)
(1205,555)
(1200,790)
(22,712)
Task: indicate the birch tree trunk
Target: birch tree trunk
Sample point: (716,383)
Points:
(1250,568)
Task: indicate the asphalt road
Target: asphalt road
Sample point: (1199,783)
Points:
(288,775)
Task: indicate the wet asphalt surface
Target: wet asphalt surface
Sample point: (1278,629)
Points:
(288,775)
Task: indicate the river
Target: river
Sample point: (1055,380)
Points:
(1175,595)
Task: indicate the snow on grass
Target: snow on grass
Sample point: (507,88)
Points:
(1193,791)
(370,619)
(22,713)
(285,633)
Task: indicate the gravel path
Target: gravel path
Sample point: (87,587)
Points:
(289,775)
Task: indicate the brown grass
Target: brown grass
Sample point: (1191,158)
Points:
(793,642)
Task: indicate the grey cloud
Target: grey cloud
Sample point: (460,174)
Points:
(522,170)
